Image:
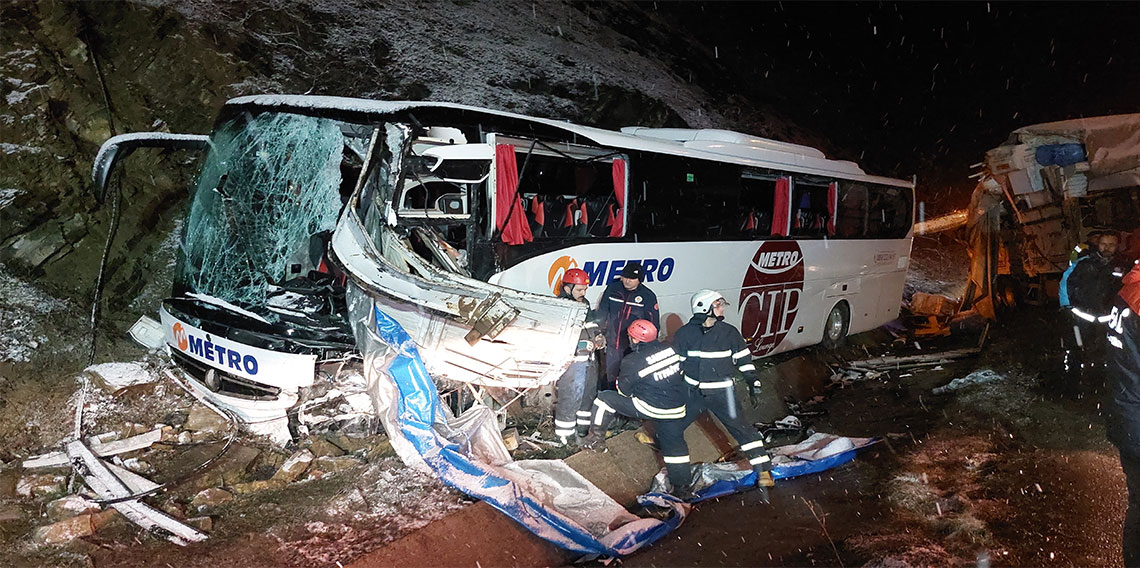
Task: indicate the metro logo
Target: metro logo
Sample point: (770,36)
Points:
(208,350)
(656,270)
(557,269)
(770,295)
(775,262)
(180,337)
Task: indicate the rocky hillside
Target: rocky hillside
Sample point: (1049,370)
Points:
(75,74)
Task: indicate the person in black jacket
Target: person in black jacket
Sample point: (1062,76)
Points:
(712,354)
(576,389)
(1088,289)
(1122,407)
(649,387)
(625,300)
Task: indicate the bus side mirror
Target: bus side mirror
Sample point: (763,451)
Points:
(118,147)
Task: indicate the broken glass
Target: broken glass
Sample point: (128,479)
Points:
(270,188)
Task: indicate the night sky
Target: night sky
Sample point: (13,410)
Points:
(922,88)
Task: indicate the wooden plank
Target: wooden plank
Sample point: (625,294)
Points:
(99,478)
(57,459)
(944,356)
(135,482)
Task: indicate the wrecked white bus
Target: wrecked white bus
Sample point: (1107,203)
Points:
(460,221)
(1038,198)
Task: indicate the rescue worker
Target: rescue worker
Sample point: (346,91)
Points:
(649,387)
(1087,290)
(712,354)
(1122,407)
(625,300)
(576,389)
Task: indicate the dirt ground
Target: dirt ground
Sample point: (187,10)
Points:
(1012,472)
(1015,472)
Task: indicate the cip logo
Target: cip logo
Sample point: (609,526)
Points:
(180,337)
(557,269)
(770,295)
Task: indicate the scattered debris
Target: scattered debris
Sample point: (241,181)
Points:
(979,377)
(114,376)
(202,419)
(935,305)
(908,361)
(104,483)
(294,466)
(65,531)
(40,485)
(71,506)
(209,498)
(56,459)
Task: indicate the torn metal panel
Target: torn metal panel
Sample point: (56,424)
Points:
(441,310)
(106,485)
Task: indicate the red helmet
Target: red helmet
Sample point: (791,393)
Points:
(642,330)
(576,276)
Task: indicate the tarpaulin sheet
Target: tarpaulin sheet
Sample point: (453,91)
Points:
(820,452)
(1111,142)
(545,496)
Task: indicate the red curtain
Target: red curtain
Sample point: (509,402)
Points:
(511,224)
(832,206)
(618,226)
(782,199)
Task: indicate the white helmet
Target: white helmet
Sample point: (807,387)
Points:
(702,302)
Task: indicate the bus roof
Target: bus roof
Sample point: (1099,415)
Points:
(706,144)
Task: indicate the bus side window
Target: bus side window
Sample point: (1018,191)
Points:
(568,198)
(756,202)
(809,209)
(851,218)
(890,212)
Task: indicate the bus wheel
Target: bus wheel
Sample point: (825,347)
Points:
(836,325)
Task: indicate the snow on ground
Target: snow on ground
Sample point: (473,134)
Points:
(22,306)
(387,501)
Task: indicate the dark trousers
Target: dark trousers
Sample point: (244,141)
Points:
(723,404)
(614,353)
(670,433)
(574,398)
(1130,461)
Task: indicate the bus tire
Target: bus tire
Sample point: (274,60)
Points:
(836,325)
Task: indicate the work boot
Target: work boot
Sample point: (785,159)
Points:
(763,482)
(595,441)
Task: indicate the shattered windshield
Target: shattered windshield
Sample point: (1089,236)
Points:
(265,201)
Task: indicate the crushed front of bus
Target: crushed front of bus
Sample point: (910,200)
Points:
(292,231)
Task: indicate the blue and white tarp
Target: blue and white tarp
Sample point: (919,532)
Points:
(817,453)
(546,496)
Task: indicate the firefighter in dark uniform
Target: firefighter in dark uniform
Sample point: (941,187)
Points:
(712,354)
(1122,407)
(625,300)
(576,389)
(649,387)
